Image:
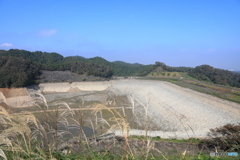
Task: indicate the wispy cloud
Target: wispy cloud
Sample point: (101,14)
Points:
(47,33)
(6,45)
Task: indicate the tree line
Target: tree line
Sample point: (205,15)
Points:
(19,68)
(17,72)
(96,66)
(206,73)
(215,75)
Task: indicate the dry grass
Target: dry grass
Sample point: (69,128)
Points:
(17,132)
(25,137)
(2,154)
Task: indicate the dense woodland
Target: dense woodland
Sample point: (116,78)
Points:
(206,73)
(17,72)
(56,62)
(16,65)
(217,76)
(96,66)
(164,67)
(20,68)
(120,68)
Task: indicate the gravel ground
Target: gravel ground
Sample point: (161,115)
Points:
(185,113)
(174,111)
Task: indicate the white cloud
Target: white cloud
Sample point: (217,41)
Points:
(5,45)
(47,33)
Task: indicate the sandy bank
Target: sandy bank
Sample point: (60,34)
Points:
(16,97)
(74,86)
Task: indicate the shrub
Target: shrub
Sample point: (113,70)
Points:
(226,138)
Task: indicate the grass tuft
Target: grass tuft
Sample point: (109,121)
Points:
(23,136)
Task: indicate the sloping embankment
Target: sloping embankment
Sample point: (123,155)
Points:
(15,97)
(74,87)
(21,97)
(181,110)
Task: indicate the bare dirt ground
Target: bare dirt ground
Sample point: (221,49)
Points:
(65,76)
(175,111)
(13,92)
(181,111)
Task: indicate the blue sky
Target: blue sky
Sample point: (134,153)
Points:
(176,32)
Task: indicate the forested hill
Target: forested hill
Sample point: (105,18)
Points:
(96,66)
(17,72)
(205,73)
(119,68)
(163,67)
(20,68)
(56,62)
(236,72)
(217,76)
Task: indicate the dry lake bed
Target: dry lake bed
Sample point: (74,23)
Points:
(161,108)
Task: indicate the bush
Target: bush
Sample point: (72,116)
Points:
(226,138)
